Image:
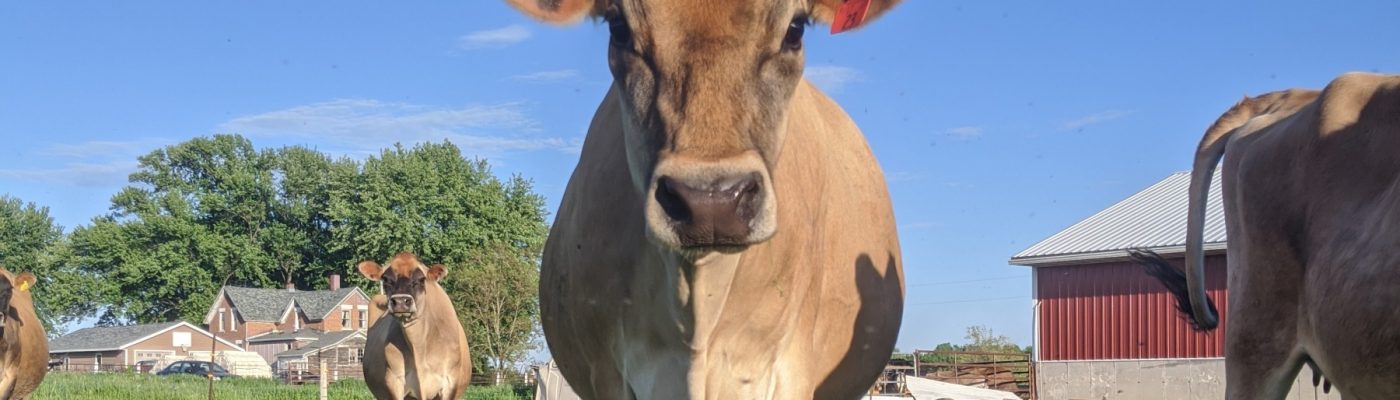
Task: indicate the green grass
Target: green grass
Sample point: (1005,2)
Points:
(77,386)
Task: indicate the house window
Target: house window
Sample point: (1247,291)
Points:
(363,320)
(98,366)
(221,320)
(232,321)
(344,320)
(296,322)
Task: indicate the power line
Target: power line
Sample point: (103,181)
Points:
(968,301)
(966,281)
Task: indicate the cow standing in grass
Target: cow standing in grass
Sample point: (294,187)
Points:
(24,347)
(727,232)
(420,350)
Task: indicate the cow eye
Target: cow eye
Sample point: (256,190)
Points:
(618,28)
(793,40)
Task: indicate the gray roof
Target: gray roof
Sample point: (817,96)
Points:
(1154,218)
(317,304)
(328,339)
(305,334)
(105,338)
(254,304)
(267,305)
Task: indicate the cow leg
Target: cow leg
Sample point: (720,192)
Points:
(1262,352)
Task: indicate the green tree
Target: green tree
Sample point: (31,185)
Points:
(431,201)
(31,241)
(981,339)
(200,210)
(499,300)
(26,230)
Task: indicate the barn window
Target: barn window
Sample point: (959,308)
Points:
(344,320)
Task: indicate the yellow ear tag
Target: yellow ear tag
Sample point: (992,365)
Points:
(24,286)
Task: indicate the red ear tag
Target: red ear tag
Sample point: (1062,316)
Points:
(849,16)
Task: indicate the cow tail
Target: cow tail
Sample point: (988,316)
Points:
(1173,280)
(1191,297)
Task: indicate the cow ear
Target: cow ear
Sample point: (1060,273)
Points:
(560,12)
(25,281)
(370,269)
(825,11)
(436,272)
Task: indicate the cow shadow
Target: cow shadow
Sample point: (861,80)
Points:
(873,333)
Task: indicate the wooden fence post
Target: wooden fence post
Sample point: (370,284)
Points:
(323,380)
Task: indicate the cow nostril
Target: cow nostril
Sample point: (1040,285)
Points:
(669,197)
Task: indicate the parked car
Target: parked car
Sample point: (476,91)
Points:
(198,368)
(146,366)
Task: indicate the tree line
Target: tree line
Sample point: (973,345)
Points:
(216,209)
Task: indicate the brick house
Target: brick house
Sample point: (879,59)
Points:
(116,348)
(272,321)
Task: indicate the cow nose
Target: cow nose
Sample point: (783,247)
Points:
(400,304)
(716,213)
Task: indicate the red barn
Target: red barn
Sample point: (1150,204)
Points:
(1104,329)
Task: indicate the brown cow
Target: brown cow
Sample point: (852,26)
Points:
(24,347)
(1311,184)
(727,233)
(421,352)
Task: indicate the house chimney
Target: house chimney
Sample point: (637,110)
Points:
(291,287)
(335,282)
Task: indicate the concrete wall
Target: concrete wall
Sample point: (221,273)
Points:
(1149,380)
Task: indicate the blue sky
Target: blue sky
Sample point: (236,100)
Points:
(997,122)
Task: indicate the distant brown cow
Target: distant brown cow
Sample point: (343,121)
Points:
(24,347)
(421,352)
(1311,183)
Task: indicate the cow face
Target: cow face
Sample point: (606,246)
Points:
(12,285)
(404,281)
(704,88)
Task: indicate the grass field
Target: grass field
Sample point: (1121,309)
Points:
(74,386)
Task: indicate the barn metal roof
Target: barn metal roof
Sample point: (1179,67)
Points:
(1154,218)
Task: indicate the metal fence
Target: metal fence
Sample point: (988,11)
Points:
(1011,372)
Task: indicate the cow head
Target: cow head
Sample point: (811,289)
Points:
(404,281)
(704,88)
(12,285)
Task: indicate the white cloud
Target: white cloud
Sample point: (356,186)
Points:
(77,174)
(96,163)
(104,148)
(831,78)
(1092,119)
(494,38)
(964,132)
(547,76)
(365,126)
(903,176)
